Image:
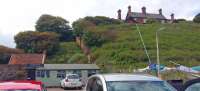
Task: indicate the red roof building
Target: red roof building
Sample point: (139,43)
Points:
(143,16)
(27,59)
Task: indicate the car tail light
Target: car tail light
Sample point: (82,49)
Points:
(66,80)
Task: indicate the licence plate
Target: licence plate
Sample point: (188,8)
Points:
(73,83)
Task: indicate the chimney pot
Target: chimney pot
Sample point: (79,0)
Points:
(172,17)
(129,8)
(160,11)
(144,10)
(119,14)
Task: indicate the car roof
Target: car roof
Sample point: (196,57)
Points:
(129,77)
(6,85)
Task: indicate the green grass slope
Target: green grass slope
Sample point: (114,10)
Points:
(69,52)
(178,42)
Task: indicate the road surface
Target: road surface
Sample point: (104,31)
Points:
(60,89)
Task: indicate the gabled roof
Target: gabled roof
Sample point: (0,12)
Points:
(148,15)
(27,59)
(69,66)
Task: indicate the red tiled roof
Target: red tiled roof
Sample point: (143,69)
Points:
(27,59)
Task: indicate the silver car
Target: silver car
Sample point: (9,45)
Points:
(127,82)
(71,81)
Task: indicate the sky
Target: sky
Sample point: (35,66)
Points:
(20,15)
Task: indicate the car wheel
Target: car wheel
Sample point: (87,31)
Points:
(65,88)
(79,88)
(61,85)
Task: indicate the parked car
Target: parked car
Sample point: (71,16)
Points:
(71,81)
(22,85)
(192,85)
(127,82)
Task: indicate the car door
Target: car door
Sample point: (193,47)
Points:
(94,84)
(192,85)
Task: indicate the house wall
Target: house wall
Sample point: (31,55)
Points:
(140,20)
(54,81)
(136,20)
(13,72)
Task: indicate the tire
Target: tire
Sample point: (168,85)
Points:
(80,88)
(61,85)
(65,88)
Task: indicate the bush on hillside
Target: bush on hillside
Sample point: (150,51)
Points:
(80,26)
(181,20)
(93,39)
(78,58)
(150,21)
(197,18)
(69,52)
(102,20)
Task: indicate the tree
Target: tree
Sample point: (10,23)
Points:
(49,23)
(197,18)
(102,20)
(80,26)
(93,39)
(37,42)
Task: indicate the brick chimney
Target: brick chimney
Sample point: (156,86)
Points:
(144,10)
(172,17)
(160,11)
(119,14)
(129,11)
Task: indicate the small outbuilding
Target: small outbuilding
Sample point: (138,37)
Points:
(30,61)
(52,74)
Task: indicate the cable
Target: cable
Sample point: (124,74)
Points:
(143,43)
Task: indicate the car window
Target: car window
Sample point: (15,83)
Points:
(139,86)
(194,87)
(73,77)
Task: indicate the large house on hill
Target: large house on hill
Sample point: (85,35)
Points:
(142,17)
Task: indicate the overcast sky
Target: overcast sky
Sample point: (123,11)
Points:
(21,15)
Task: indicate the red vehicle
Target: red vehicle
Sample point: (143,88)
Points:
(21,86)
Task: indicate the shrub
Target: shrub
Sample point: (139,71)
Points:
(102,20)
(150,21)
(197,18)
(93,39)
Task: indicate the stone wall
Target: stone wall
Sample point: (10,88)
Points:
(12,72)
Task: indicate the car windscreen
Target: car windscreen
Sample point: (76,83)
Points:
(139,86)
(73,77)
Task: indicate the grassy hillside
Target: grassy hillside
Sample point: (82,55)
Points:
(69,52)
(178,43)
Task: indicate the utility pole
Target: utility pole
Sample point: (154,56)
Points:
(158,57)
